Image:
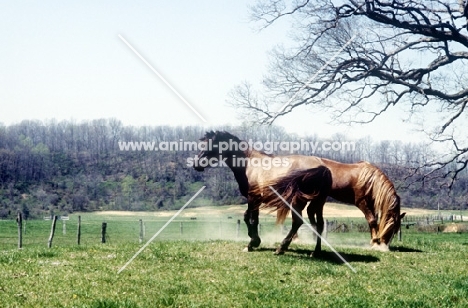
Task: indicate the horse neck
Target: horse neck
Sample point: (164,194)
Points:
(239,171)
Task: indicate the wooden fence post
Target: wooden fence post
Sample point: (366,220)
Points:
(19,221)
(238,228)
(78,234)
(103,232)
(141,231)
(399,234)
(52,231)
(181,228)
(64,227)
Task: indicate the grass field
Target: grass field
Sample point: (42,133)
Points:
(203,266)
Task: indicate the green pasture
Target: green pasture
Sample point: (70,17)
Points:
(203,266)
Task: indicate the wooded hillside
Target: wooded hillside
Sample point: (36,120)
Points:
(61,167)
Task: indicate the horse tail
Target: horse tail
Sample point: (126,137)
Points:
(298,186)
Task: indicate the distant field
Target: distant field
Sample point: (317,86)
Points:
(331,210)
(197,262)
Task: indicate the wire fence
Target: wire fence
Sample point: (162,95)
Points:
(37,233)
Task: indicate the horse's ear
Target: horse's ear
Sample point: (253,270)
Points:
(208,135)
(402,215)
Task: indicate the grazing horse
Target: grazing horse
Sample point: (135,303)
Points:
(361,184)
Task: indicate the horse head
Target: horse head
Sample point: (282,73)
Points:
(215,149)
(207,152)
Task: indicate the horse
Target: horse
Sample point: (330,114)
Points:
(361,184)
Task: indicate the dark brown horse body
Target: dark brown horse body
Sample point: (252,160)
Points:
(301,179)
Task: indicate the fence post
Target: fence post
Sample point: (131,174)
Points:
(52,231)
(19,221)
(238,228)
(399,234)
(78,233)
(181,228)
(64,227)
(103,232)
(141,231)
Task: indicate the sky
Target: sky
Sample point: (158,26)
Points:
(65,61)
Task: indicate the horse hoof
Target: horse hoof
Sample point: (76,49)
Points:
(255,242)
(315,254)
(384,247)
(381,247)
(279,252)
(247,249)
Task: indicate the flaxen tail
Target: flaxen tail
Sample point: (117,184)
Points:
(299,186)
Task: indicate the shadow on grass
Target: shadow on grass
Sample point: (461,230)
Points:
(327,256)
(404,249)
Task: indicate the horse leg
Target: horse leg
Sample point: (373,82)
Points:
(251,220)
(297,222)
(372,221)
(316,209)
(313,222)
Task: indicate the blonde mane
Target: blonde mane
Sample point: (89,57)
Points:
(380,189)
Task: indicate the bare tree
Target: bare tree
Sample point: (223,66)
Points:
(357,59)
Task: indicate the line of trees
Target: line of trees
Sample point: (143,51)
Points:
(62,167)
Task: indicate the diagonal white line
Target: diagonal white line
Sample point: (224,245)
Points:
(313,230)
(162,78)
(313,77)
(160,230)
